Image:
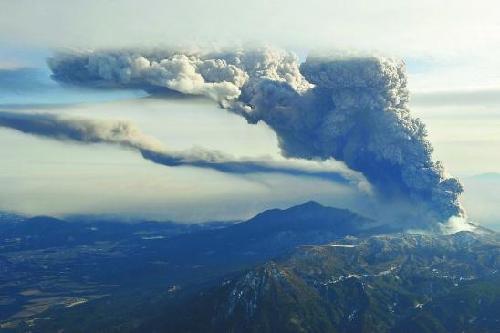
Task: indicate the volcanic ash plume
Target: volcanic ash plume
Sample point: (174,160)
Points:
(352,109)
(217,75)
(125,134)
(80,130)
(357,112)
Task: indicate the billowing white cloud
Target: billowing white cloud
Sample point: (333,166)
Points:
(217,75)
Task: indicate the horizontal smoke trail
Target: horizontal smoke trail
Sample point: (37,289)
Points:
(126,135)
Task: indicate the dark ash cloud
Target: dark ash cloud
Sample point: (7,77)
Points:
(126,135)
(352,109)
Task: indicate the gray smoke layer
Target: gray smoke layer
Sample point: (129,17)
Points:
(352,109)
(127,135)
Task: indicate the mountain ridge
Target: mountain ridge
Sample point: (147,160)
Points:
(376,284)
(305,268)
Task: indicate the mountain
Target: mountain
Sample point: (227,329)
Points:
(269,234)
(120,268)
(39,232)
(310,216)
(396,283)
(279,229)
(308,268)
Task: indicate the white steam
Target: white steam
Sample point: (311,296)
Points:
(456,224)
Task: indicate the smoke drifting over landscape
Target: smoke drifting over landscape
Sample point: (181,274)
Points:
(125,134)
(352,109)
